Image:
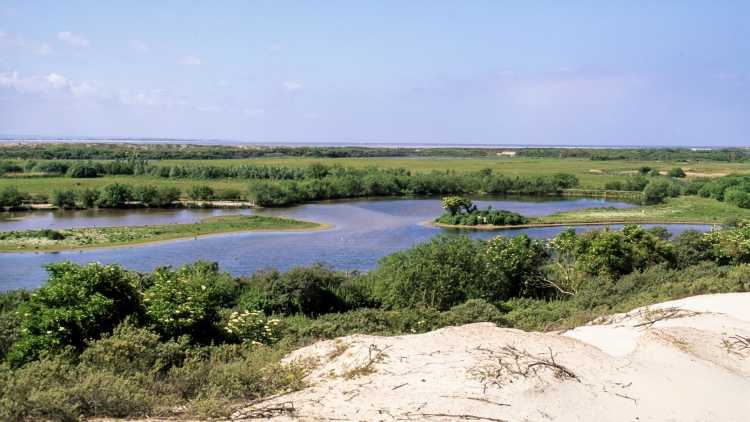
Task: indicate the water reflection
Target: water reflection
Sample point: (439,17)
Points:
(363,232)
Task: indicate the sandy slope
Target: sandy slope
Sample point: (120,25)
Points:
(677,361)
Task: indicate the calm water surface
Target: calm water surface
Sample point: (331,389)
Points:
(363,231)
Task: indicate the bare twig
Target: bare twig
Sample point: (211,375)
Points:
(458,416)
(477,399)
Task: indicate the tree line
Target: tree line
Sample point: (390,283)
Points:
(99,151)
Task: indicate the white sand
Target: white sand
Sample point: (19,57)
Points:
(669,362)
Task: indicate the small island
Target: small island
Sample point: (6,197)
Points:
(102,237)
(462,212)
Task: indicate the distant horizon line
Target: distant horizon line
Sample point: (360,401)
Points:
(370,144)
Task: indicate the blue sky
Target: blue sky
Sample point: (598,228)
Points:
(572,72)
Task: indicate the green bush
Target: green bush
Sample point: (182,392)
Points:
(115,195)
(738,197)
(65,199)
(188,301)
(201,193)
(10,197)
(659,189)
(87,197)
(676,172)
(83,170)
(76,304)
(314,290)
(153,196)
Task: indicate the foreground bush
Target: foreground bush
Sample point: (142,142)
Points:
(76,304)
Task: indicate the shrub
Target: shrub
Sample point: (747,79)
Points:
(252,327)
(51,167)
(201,193)
(87,197)
(613,185)
(306,290)
(65,199)
(77,303)
(83,170)
(187,301)
(153,196)
(115,195)
(439,274)
(229,195)
(676,172)
(737,197)
(658,189)
(10,197)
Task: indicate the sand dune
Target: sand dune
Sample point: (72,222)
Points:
(684,360)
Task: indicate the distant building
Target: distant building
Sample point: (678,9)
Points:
(507,153)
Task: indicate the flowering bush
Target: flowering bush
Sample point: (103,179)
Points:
(188,300)
(252,327)
(77,303)
(731,245)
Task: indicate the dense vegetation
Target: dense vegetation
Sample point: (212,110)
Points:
(463,212)
(98,151)
(101,340)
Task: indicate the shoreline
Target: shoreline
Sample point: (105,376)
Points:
(64,248)
(490,227)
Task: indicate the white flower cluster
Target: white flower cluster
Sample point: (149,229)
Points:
(252,327)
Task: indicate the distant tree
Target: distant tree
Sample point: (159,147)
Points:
(201,193)
(644,170)
(65,199)
(454,204)
(115,195)
(83,170)
(676,172)
(87,197)
(10,197)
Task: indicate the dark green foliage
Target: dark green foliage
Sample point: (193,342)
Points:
(10,197)
(201,193)
(9,167)
(52,167)
(65,199)
(83,170)
(733,189)
(156,196)
(76,304)
(613,253)
(488,216)
(87,197)
(10,319)
(737,196)
(310,291)
(115,195)
(659,189)
(676,172)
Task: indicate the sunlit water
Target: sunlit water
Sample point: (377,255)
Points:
(363,231)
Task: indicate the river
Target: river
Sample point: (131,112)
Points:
(363,231)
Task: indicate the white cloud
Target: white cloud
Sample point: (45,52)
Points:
(292,86)
(74,40)
(12,41)
(49,84)
(191,61)
(139,46)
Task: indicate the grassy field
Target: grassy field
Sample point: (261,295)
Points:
(684,209)
(99,237)
(592,174)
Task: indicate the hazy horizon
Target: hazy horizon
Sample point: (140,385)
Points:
(621,73)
